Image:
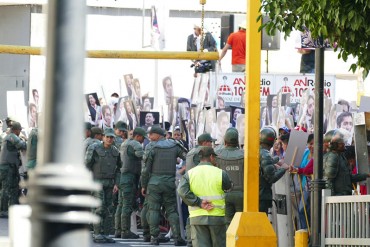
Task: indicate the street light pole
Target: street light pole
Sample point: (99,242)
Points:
(60,187)
(318,183)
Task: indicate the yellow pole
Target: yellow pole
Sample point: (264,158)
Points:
(187,55)
(252,228)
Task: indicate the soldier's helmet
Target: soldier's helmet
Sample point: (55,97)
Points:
(232,136)
(267,136)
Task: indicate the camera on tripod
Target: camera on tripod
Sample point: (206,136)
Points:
(202,66)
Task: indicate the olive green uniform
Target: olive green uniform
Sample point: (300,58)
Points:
(338,174)
(104,164)
(9,174)
(32,149)
(158,178)
(231,160)
(204,227)
(131,156)
(269,174)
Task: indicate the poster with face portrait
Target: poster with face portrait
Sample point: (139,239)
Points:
(120,114)
(136,94)
(131,115)
(223,123)
(32,115)
(147,103)
(107,117)
(173,116)
(94,107)
(267,111)
(345,121)
(235,112)
(148,119)
(129,80)
(191,134)
(210,122)
(240,125)
(167,89)
(35,99)
(200,123)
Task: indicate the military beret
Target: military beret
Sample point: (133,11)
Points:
(205,138)
(121,126)
(140,131)
(88,126)
(16,126)
(157,130)
(96,131)
(231,136)
(207,152)
(109,132)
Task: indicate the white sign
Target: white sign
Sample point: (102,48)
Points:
(230,86)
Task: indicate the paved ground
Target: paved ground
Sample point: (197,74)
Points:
(4,233)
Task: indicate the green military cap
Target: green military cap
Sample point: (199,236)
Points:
(157,130)
(140,131)
(109,132)
(207,152)
(88,126)
(121,126)
(205,138)
(16,126)
(231,136)
(96,131)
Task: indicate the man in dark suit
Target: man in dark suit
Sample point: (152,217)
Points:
(194,42)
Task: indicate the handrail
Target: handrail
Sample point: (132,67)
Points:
(119,54)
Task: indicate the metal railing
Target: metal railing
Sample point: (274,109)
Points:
(345,221)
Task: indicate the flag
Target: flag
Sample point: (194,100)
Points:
(155,33)
(154,20)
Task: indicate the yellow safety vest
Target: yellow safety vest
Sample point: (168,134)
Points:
(206,183)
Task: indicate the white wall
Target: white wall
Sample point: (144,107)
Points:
(125,33)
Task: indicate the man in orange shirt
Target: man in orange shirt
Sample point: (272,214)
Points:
(237,42)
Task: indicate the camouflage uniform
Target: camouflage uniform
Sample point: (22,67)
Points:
(9,165)
(131,156)
(231,160)
(32,149)
(104,164)
(158,178)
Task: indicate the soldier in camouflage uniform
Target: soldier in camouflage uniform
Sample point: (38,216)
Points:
(158,182)
(121,131)
(231,160)
(104,161)
(32,149)
(9,165)
(96,137)
(269,174)
(87,139)
(131,155)
(337,171)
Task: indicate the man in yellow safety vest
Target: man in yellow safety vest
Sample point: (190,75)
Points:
(203,190)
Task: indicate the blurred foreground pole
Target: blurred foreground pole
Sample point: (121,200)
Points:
(318,183)
(59,189)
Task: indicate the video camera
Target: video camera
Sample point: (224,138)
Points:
(201,66)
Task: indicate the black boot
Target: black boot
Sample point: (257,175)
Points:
(154,241)
(180,242)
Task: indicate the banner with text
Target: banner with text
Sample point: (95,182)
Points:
(230,86)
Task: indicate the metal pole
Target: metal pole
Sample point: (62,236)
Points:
(119,54)
(60,186)
(318,183)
